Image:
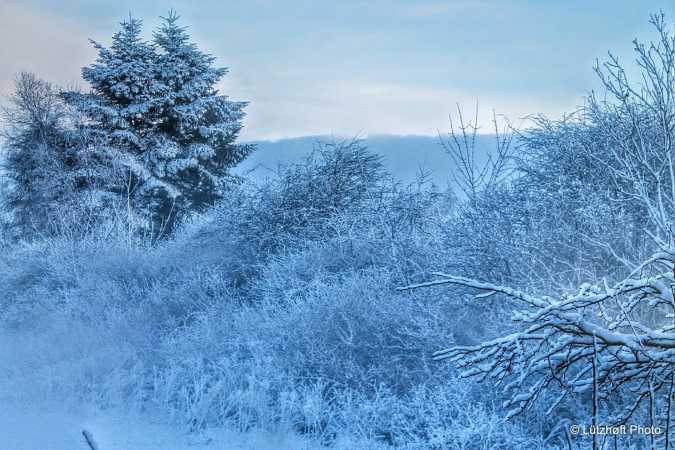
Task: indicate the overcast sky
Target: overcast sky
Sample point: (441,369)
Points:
(354,67)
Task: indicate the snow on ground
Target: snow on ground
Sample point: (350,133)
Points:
(49,427)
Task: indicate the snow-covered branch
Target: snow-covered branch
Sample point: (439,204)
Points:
(627,328)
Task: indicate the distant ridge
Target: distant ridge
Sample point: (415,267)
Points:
(404,156)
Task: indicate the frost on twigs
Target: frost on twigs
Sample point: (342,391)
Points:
(612,342)
(627,329)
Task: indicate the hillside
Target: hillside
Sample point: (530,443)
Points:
(405,156)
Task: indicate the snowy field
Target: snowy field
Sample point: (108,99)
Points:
(43,426)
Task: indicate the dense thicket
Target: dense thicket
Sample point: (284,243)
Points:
(608,180)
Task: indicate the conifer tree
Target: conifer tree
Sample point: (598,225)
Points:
(194,143)
(155,112)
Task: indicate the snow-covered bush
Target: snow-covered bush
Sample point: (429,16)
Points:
(315,362)
(305,345)
(299,204)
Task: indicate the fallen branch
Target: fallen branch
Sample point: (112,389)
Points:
(89,438)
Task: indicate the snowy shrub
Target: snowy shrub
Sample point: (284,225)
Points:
(276,310)
(300,203)
(341,360)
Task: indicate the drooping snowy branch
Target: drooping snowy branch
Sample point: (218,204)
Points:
(627,328)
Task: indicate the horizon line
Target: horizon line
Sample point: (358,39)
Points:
(348,136)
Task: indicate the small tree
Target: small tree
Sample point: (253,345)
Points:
(30,135)
(474,173)
(51,178)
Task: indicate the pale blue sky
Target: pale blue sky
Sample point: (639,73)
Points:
(348,67)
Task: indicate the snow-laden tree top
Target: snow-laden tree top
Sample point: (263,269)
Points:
(156,106)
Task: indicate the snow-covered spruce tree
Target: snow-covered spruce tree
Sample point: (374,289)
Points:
(609,344)
(197,128)
(156,108)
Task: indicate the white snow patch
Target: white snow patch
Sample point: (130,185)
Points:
(54,427)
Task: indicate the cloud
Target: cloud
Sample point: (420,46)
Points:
(439,8)
(350,108)
(356,67)
(53,47)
